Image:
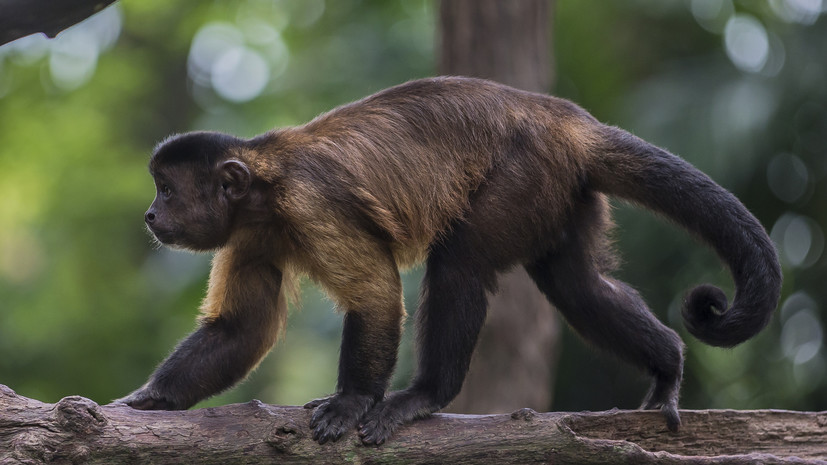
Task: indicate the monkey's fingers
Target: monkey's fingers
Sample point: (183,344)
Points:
(144,400)
(317,402)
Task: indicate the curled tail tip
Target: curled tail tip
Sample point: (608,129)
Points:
(703,310)
(704,304)
(708,318)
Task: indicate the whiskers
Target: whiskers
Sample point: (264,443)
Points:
(153,241)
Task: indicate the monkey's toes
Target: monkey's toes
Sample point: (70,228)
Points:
(377,430)
(386,417)
(337,414)
(673,418)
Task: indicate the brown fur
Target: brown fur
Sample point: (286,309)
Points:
(474,178)
(408,183)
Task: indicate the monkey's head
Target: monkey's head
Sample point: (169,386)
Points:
(198,189)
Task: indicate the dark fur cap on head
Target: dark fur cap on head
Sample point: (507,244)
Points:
(203,147)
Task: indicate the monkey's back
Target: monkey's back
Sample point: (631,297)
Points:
(430,154)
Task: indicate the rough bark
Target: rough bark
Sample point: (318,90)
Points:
(77,430)
(20,18)
(513,366)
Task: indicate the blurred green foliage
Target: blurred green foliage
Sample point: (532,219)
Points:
(88,306)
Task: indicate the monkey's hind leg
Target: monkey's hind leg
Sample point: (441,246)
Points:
(609,313)
(448,322)
(366,362)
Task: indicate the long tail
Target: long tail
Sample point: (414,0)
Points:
(635,170)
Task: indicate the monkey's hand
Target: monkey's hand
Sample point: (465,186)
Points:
(337,414)
(317,402)
(146,398)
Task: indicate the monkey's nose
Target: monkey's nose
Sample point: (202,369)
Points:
(149,217)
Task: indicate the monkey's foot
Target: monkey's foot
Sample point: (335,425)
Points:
(397,409)
(664,395)
(337,414)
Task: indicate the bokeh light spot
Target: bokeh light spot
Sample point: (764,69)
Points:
(73,59)
(799,238)
(712,15)
(797,11)
(747,43)
(801,337)
(788,177)
(240,74)
(211,42)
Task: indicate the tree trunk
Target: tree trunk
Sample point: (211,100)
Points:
(502,40)
(506,41)
(78,431)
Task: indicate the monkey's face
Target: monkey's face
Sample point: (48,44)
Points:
(198,188)
(194,205)
(188,211)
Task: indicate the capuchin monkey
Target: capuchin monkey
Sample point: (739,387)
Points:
(469,176)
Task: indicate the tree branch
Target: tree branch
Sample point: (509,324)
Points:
(23,17)
(77,430)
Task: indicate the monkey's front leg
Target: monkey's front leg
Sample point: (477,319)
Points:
(366,362)
(243,312)
(211,359)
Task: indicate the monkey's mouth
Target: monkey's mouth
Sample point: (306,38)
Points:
(163,236)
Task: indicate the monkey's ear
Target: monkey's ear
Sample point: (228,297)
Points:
(235,179)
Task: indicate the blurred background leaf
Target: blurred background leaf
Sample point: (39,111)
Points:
(88,306)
